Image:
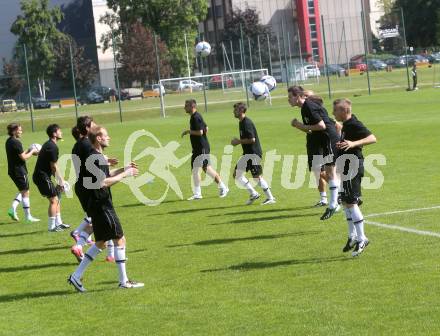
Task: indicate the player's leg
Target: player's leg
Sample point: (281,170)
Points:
(223,189)
(322,187)
(26,204)
(195,172)
(12,211)
(257,174)
(242,180)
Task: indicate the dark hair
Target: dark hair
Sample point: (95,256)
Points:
(191,101)
(241,107)
(315,99)
(12,128)
(296,90)
(75,132)
(94,133)
(51,129)
(83,123)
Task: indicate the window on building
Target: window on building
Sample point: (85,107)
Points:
(313,32)
(218,11)
(315,51)
(311,6)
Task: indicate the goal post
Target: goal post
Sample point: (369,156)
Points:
(210,89)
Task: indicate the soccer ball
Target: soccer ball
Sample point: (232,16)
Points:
(35,146)
(259,90)
(203,48)
(270,82)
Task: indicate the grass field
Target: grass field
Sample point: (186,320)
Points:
(218,267)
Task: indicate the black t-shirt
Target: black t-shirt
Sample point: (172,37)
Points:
(48,153)
(100,196)
(15,164)
(312,113)
(248,131)
(199,144)
(82,150)
(353,130)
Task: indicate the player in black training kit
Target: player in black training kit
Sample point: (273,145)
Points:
(252,155)
(45,168)
(354,136)
(17,171)
(105,222)
(321,141)
(200,151)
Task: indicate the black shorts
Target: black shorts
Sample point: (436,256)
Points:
(200,160)
(106,224)
(255,169)
(20,180)
(321,151)
(83,197)
(351,192)
(45,186)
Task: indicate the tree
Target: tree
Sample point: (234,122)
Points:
(84,69)
(422,21)
(135,52)
(170,19)
(36,28)
(12,82)
(246,23)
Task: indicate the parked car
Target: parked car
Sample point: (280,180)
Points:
(355,65)
(434,58)
(189,84)
(8,105)
(216,82)
(131,93)
(418,59)
(158,88)
(396,62)
(40,103)
(376,64)
(91,97)
(333,69)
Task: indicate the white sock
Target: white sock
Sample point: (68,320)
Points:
(333,186)
(83,237)
(58,219)
(323,196)
(351,227)
(52,223)
(263,184)
(245,183)
(85,222)
(197,190)
(110,249)
(89,256)
(221,185)
(26,207)
(17,200)
(358,221)
(120,262)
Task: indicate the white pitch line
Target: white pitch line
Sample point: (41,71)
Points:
(401,211)
(400,228)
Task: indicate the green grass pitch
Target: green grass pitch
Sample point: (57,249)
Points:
(218,267)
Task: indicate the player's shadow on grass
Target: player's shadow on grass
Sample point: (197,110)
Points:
(250,266)
(18,234)
(24,251)
(34,267)
(233,240)
(265,219)
(265,210)
(178,212)
(37,295)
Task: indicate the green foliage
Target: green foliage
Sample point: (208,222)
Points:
(12,82)
(170,19)
(36,28)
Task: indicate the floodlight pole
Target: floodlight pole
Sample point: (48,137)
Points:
(31,108)
(270,54)
(162,109)
(259,51)
(187,54)
(365,48)
(73,79)
(326,58)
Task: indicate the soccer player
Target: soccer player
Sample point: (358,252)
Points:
(253,154)
(45,168)
(200,151)
(321,140)
(17,171)
(354,136)
(106,224)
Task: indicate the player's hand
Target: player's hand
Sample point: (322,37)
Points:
(345,145)
(184,133)
(295,123)
(235,142)
(112,161)
(60,187)
(131,171)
